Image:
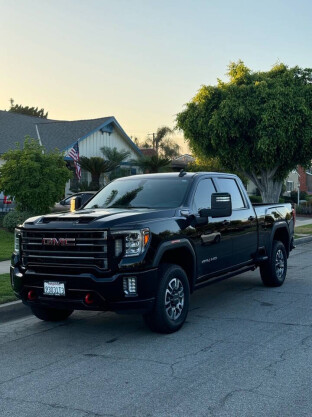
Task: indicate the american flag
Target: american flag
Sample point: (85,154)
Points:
(74,154)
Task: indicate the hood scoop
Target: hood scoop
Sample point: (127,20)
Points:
(73,219)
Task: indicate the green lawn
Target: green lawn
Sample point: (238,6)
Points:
(6,244)
(307,229)
(6,292)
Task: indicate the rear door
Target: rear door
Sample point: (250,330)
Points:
(243,223)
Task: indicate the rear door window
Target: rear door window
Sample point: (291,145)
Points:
(229,185)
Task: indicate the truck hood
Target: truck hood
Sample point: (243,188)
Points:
(102,218)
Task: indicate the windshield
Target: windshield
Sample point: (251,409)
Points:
(141,193)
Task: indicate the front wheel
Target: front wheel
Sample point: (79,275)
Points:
(50,314)
(172,300)
(273,272)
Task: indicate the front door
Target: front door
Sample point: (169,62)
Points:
(212,239)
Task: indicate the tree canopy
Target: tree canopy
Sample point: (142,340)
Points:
(29,111)
(34,177)
(257,123)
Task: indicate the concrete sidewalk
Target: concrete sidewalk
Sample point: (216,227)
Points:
(302,221)
(5,267)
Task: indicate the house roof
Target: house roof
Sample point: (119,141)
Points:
(148,151)
(53,134)
(14,127)
(62,134)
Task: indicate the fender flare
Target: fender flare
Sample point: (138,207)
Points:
(176,244)
(274,229)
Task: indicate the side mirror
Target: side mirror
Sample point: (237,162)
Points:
(62,203)
(221,205)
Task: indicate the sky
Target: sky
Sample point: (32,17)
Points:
(137,60)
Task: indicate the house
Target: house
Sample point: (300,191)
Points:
(181,162)
(300,178)
(91,136)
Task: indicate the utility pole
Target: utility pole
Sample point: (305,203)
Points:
(154,144)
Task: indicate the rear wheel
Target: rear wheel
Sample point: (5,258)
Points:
(273,272)
(50,314)
(172,300)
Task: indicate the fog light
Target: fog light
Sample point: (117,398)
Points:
(89,299)
(31,295)
(130,285)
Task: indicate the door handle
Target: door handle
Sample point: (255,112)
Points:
(251,218)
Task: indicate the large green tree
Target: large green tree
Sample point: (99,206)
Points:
(29,111)
(35,178)
(257,123)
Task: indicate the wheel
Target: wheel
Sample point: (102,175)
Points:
(172,300)
(273,272)
(50,314)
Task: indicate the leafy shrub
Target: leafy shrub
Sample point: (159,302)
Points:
(304,208)
(255,198)
(34,177)
(294,196)
(14,218)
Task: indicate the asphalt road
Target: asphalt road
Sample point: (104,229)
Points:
(245,350)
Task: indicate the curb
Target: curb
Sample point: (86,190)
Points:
(16,309)
(12,311)
(302,240)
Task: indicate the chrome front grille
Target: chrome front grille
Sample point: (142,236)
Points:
(65,248)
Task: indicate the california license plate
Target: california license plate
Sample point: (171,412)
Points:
(54,288)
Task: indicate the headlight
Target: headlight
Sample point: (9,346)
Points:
(17,235)
(135,241)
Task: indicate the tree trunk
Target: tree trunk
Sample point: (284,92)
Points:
(270,188)
(271,192)
(95,180)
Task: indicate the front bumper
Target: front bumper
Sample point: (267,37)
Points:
(107,292)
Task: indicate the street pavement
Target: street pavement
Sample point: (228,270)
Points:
(245,350)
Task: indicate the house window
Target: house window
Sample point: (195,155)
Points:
(289,186)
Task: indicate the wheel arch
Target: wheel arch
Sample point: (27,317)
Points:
(281,233)
(181,253)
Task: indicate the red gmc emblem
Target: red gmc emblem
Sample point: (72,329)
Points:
(53,241)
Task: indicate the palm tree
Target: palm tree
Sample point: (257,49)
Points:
(152,164)
(161,133)
(96,166)
(114,156)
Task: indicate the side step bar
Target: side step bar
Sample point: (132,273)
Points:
(223,277)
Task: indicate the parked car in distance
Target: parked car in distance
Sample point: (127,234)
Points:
(64,205)
(6,203)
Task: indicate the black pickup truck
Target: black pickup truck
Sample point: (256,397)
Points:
(144,243)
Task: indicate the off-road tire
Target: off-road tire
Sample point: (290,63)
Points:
(50,314)
(172,300)
(273,272)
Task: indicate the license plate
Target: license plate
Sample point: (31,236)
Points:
(54,288)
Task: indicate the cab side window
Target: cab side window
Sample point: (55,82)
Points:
(229,185)
(202,197)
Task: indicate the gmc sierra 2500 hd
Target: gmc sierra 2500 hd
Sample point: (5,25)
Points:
(144,243)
